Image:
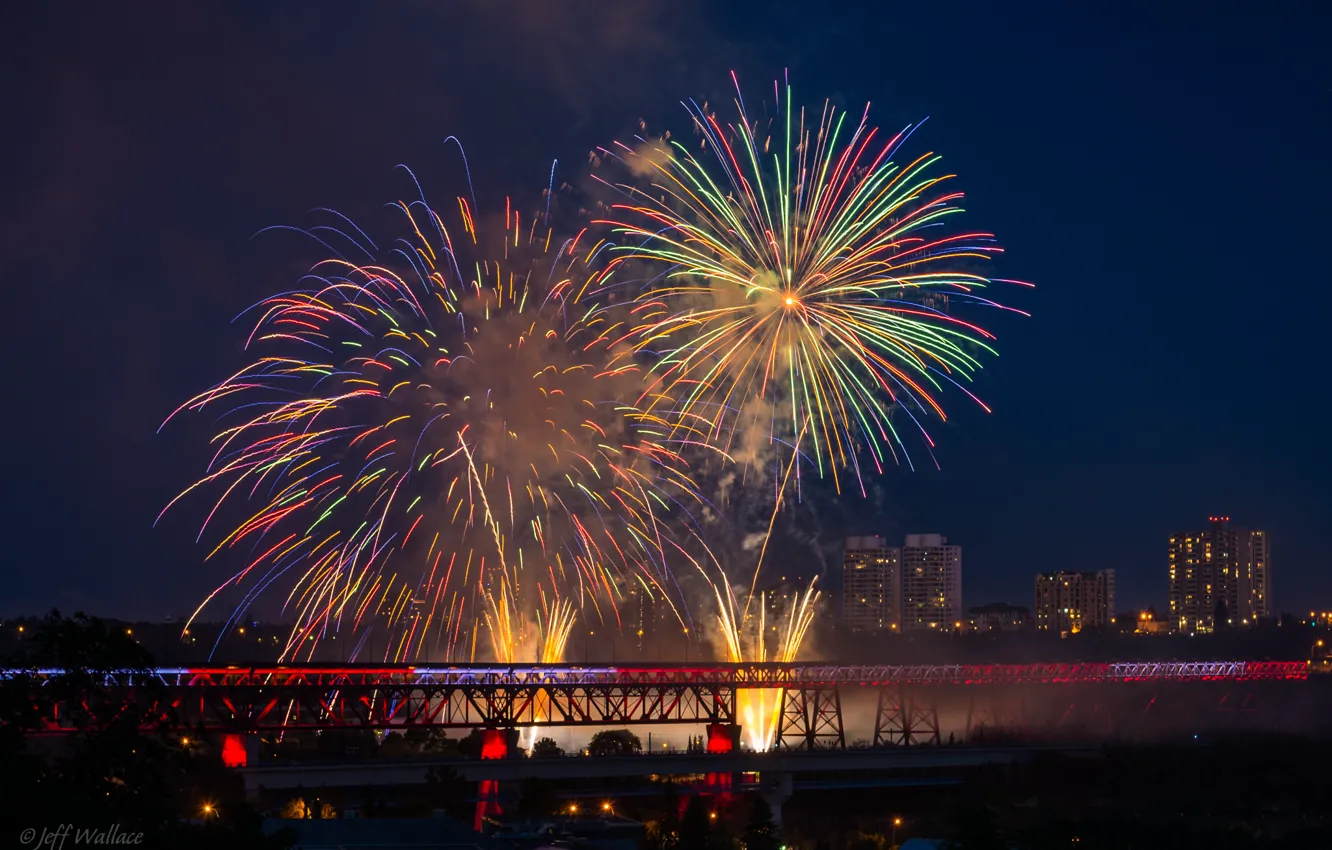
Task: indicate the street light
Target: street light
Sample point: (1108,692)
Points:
(896,823)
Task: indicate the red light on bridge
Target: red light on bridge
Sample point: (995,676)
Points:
(721,737)
(494,744)
(233,751)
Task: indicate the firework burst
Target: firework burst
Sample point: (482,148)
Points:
(800,275)
(435,437)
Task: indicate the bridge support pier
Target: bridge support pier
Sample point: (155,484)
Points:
(1089,711)
(775,790)
(495,744)
(722,738)
(811,719)
(903,721)
(1000,714)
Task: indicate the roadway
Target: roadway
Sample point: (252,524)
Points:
(413,772)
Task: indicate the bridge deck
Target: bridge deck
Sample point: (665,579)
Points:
(677,764)
(795,675)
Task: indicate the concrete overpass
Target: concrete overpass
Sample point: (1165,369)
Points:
(413,772)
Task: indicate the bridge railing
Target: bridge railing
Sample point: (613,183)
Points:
(747,676)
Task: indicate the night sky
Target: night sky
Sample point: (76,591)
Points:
(1164,181)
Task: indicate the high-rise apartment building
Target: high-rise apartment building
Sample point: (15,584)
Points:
(1260,576)
(931,573)
(870,584)
(998,617)
(1219,577)
(1068,602)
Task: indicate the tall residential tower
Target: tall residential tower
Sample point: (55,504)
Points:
(1068,602)
(1221,576)
(871,587)
(931,583)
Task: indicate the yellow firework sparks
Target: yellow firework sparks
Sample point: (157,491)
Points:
(759,709)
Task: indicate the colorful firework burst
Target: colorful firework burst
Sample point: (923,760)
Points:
(802,278)
(434,437)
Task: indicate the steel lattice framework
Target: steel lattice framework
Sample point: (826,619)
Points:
(795,675)
(317,697)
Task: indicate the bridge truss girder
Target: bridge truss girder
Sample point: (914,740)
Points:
(905,718)
(247,708)
(810,719)
(1109,698)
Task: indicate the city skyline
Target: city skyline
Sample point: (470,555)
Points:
(1236,561)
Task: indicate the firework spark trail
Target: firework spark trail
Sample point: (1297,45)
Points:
(759,709)
(801,283)
(516,639)
(776,508)
(555,622)
(441,432)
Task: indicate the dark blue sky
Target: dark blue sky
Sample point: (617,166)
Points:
(1163,177)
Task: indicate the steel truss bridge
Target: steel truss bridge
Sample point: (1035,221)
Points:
(242,699)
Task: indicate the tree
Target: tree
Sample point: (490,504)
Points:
(341,744)
(470,746)
(973,828)
(866,841)
(760,831)
(294,809)
(300,808)
(416,741)
(395,746)
(696,825)
(429,740)
(615,742)
(666,835)
(546,748)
